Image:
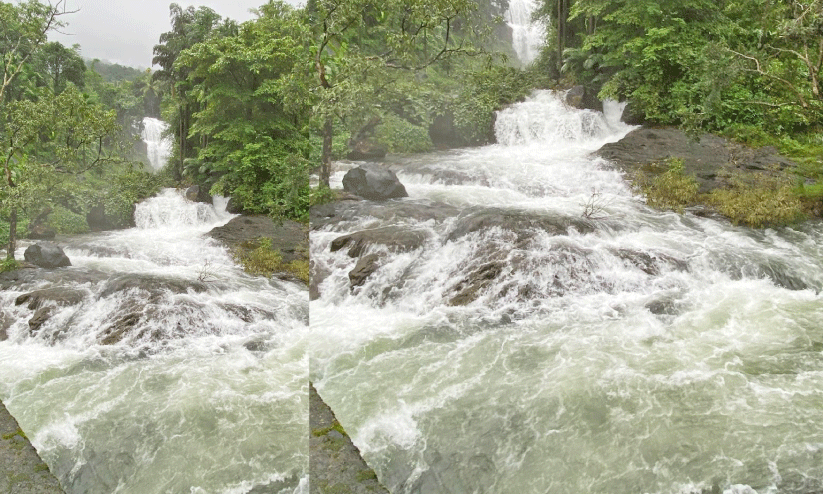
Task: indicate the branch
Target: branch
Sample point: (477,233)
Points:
(762,72)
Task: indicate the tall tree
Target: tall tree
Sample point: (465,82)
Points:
(362,47)
(189,27)
(24,29)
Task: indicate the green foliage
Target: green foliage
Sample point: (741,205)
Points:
(8,265)
(127,189)
(671,189)
(402,136)
(260,259)
(321,195)
(759,200)
(67,222)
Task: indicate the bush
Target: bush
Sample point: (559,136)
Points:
(260,259)
(759,200)
(67,222)
(671,189)
(401,136)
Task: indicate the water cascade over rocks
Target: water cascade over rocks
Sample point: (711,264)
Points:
(158,147)
(531,326)
(154,364)
(527,35)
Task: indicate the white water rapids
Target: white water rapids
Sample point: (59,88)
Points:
(205,390)
(644,351)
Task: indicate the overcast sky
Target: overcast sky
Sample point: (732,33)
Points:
(125,32)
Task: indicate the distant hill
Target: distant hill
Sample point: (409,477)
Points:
(114,72)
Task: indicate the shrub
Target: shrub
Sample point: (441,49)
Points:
(759,200)
(260,259)
(671,189)
(67,222)
(401,136)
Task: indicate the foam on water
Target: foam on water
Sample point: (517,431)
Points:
(644,351)
(191,377)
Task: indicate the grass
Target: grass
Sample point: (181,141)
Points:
(756,200)
(258,258)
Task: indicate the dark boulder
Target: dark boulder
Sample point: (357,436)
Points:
(398,239)
(583,98)
(195,193)
(46,255)
(475,282)
(367,149)
(317,273)
(364,268)
(373,183)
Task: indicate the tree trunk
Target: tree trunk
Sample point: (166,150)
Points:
(325,166)
(12,234)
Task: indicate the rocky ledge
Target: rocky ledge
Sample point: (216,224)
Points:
(709,159)
(23,470)
(335,464)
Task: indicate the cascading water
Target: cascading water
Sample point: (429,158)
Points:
(161,366)
(527,35)
(158,147)
(506,343)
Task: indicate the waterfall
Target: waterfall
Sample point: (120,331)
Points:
(160,366)
(503,341)
(528,36)
(158,147)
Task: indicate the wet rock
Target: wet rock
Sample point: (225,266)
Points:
(41,231)
(709,159)
(156,286)
(364,268)
(471,286)
(395,211)
(46,255)
(288,237)
(62,296)
(397,239)
(195,193)
(120,328)
(317,273)
(373,183)
(523,224)
(5,324)
(583,98)
(40,317)
(335,464)
(650,263)
(64,277)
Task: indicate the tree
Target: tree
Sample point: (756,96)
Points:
(251,91)
(189,27)
(47,143)
(62,65)
(364,48)
(24,30)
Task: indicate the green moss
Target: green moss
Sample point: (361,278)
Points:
(18,432)
(364,475)
(42,467)
(325,430)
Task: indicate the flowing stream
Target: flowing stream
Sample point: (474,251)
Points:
(511,345)
(161,367)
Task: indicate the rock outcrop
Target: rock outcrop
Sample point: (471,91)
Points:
(46,255)
(373,183)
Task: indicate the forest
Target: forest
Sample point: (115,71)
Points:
(254,107)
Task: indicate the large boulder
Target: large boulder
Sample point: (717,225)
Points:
(46,255)
(583,98)
(98,220)
(195,193)
(373,183)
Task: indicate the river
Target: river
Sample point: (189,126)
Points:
(522,347)
(163,367)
